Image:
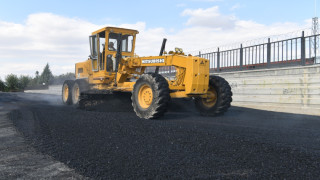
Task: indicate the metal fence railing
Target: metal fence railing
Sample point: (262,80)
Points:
(297,51)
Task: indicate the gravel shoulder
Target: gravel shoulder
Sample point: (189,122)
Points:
(18,159)
(110,142)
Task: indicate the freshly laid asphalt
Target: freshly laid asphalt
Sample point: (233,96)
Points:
(111,142)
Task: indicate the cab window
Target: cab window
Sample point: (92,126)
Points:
(112,44)
(102,50)
(126,42)
(94,52)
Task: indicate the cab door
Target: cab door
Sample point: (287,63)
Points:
(94,51)
(126,45)
(111,51)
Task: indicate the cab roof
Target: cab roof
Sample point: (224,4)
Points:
(116,30)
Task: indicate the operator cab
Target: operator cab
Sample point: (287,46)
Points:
(104,44)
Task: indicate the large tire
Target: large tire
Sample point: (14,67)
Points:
(150,96)
(67,92)
(219,100)
(79,87)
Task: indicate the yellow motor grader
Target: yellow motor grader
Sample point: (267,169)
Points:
(114,67)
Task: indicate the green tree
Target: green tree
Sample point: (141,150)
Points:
(2,85)
(36,79)
(61,78)
(46,75)
(12,82)
(24,81)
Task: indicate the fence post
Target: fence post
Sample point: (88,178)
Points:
(269,52)
(218,60)
(241,57)
(303,50)
(315,49)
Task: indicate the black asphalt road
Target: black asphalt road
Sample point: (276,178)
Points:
(110,142)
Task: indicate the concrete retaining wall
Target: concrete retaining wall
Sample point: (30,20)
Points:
(293,89)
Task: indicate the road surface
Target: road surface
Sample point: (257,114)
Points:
(111,142)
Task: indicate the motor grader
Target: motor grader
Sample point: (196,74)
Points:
(113,66)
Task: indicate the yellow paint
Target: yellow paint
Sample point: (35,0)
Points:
(178,94)
(192,73)
(65,93)
(145,96)
(211,100)
(77,93)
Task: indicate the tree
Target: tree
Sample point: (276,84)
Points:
(12,82)
(61,78)
(46,75)
(24,81)
(2,85)
(34,81)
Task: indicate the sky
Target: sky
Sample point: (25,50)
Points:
(34,32)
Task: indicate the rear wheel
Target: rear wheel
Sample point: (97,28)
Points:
(67,92)
(75,93)
(79,87)
(219,98)
(150,96)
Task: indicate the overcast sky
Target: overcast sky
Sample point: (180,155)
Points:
(34,32)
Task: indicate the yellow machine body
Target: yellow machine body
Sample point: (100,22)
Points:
(191,73)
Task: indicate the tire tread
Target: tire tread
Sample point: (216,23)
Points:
(161,99)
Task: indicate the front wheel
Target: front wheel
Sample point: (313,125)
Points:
(150,96)
(218,100)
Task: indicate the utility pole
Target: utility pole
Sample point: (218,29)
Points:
(315,32)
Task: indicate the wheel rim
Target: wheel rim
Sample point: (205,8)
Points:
(145,96)
(65,92)
(211,100)
(76,93)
